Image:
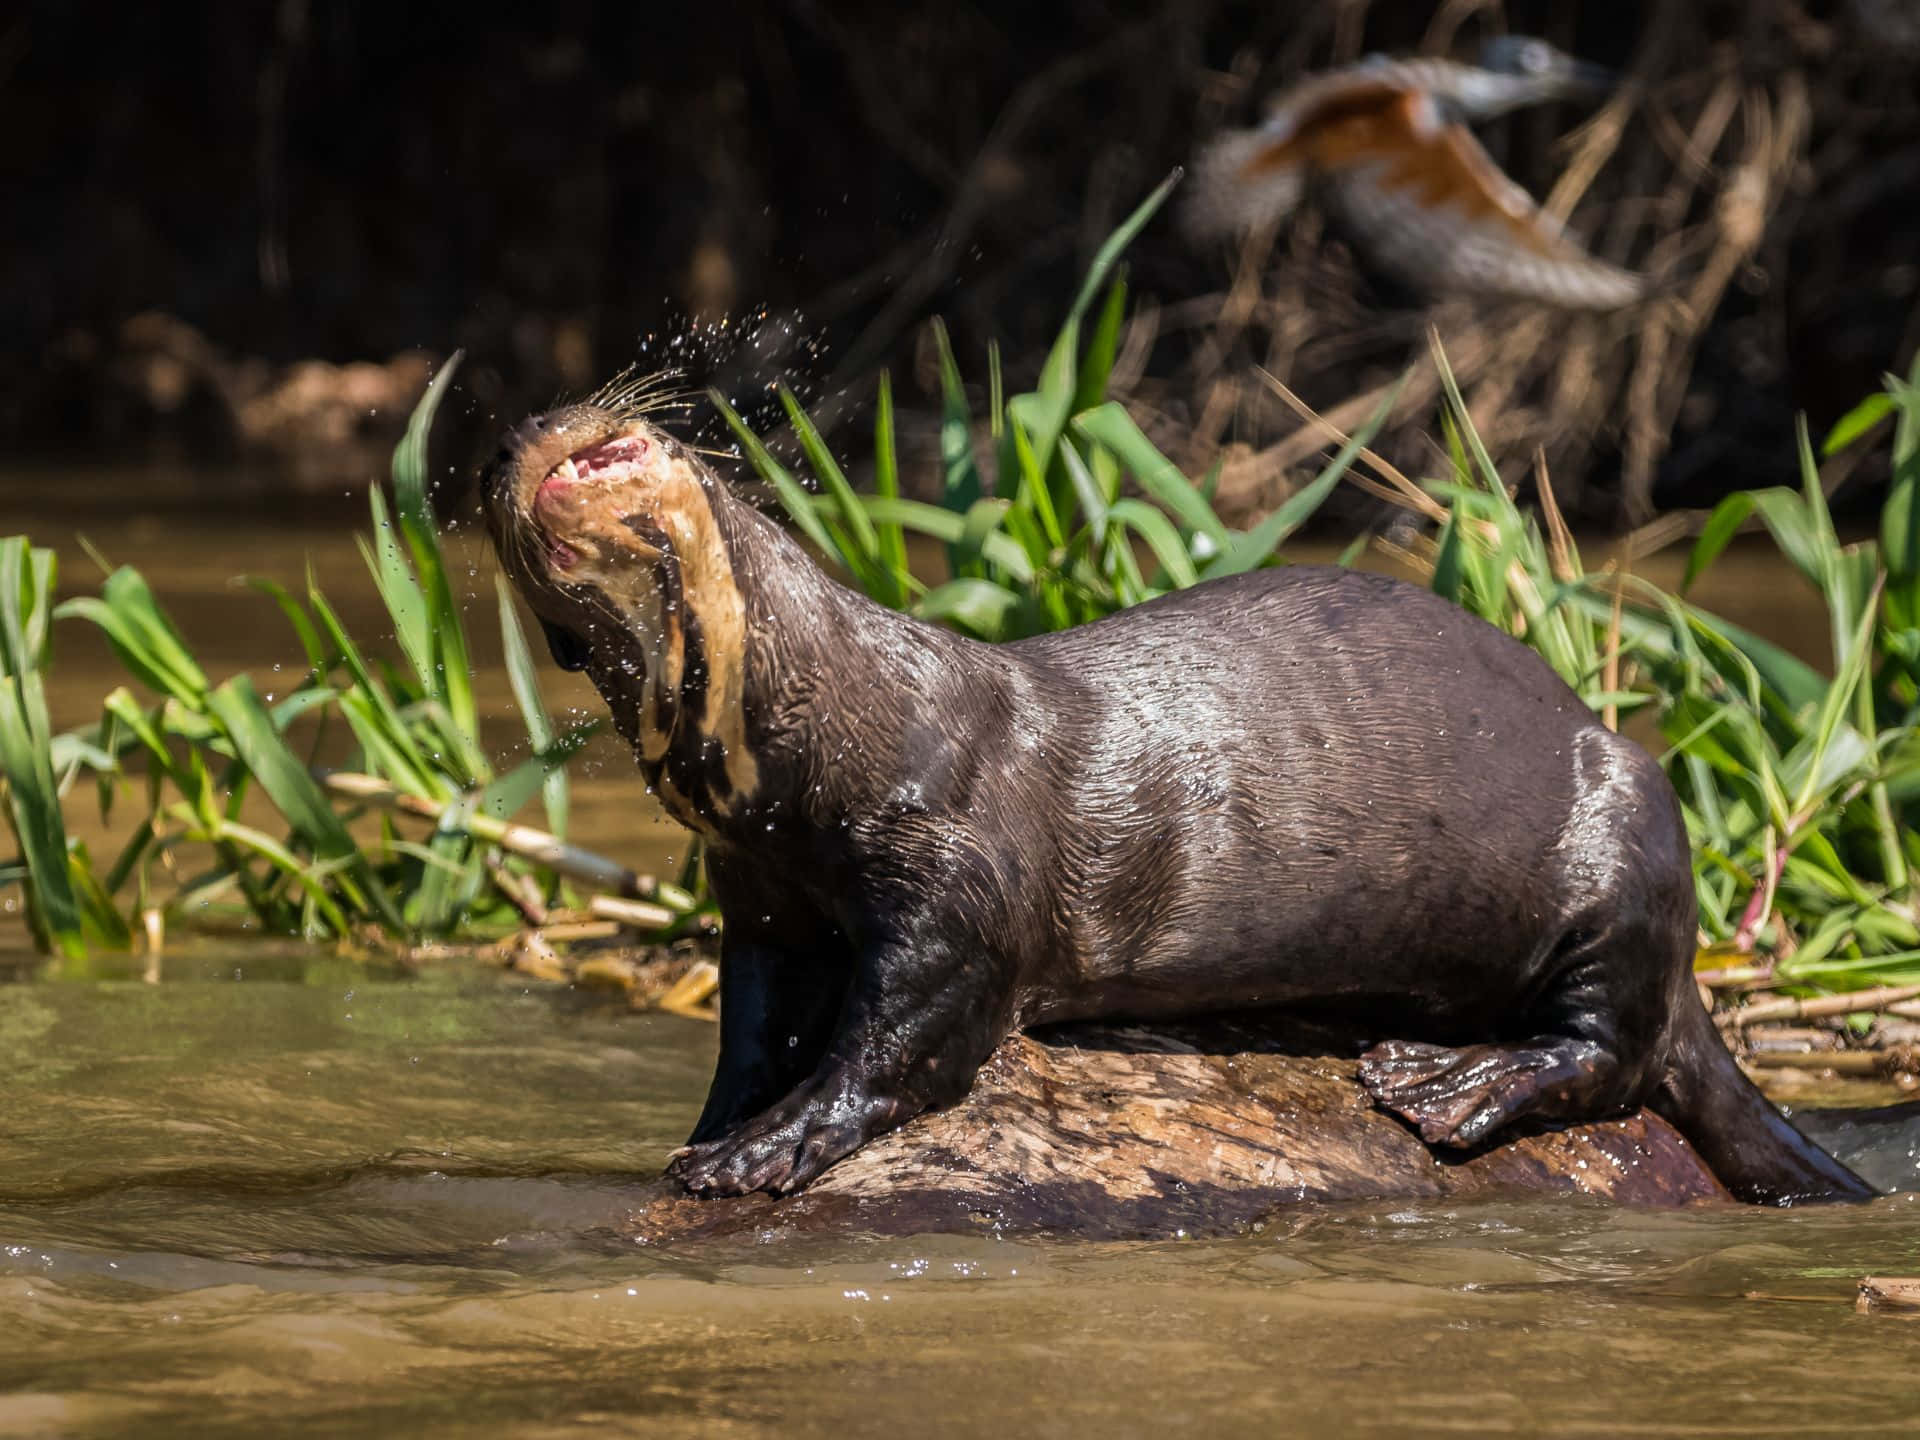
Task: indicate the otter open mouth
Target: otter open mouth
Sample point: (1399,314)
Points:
(559,500)
(567,505)
(606,460)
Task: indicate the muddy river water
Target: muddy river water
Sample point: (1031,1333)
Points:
(274,1191)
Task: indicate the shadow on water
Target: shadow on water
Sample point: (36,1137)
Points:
(277,1192)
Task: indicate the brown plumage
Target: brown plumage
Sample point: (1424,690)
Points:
(1385,143)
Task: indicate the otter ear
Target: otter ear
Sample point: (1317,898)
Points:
(569,650)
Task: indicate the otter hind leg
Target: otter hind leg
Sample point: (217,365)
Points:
(1595,1044)
(1462,1097)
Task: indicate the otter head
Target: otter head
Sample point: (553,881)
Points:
(610,529)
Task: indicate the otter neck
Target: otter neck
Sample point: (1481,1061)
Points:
(732,738)
(674,670)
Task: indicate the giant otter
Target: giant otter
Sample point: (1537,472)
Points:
(1297,787)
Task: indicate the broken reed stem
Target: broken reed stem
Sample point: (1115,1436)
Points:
(1787,1008)
(639,914)
(570,930)
(691,993)
(521,891)
(1870,1064)
(595,872)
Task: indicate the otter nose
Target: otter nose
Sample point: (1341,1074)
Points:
(500,468)
(539,431)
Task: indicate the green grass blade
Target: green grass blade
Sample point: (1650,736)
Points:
(101,921)
(1043,412)
(140,843)
(1725,521)
(1096,366)
(308,878)
(955,529)
(400,592)
(1154,528)
(293,791)
(523,677)
(1462,422)
(319,658)
(977,606)
(892,539)
(1857,422)
(1108,255)
(451,674)
(1793,530)
(381,752)
(502,798)
(142,636)
(1110,425)
(139,724)
(794,497)
(22,597)
(1450,562)
(864,546)
(412,770)
(1838,699)
(433,906)
(962,475)
(1088,494)
(1814,496)
(1033,495)
(33,809)
(54,910)
(996,390)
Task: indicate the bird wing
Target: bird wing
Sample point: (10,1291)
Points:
(1427,203)
(1235,188)
(1246,180)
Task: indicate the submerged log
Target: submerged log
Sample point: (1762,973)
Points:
(1127,1131)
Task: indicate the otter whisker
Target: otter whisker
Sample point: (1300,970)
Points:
(660,403)
(634,398)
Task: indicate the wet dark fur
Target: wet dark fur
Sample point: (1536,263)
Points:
(1303,785)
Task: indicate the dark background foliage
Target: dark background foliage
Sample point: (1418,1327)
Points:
(565,189)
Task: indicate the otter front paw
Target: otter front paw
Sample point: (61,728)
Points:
(781,1150)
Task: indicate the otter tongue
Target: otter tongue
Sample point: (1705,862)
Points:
(597,462)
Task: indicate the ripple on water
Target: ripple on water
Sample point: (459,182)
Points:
(230,1208)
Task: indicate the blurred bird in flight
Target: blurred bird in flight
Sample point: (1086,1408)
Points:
(1385,144)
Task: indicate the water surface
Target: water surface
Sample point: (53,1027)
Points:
(270,1191)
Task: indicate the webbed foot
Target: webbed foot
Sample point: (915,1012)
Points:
(1461,1097)
(785,1147)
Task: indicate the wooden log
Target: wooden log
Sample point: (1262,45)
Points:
(1124,1131)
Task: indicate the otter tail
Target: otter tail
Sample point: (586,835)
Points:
(1745,1141)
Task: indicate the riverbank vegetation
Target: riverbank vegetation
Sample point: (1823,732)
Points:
(411,840)
(1053,507)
